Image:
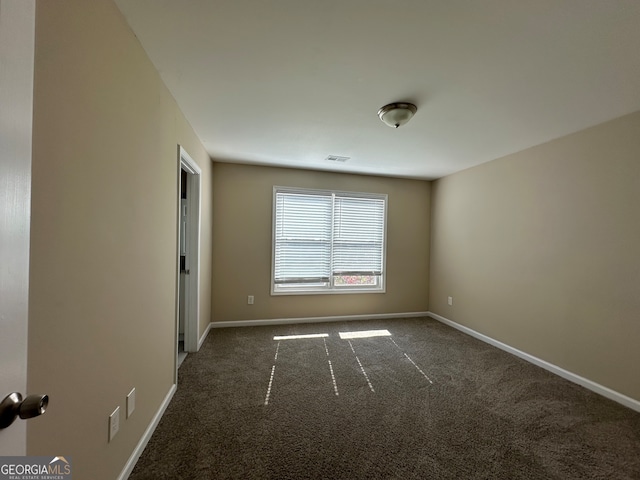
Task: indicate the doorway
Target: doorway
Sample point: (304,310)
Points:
(188,258)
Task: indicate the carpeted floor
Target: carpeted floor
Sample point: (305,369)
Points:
(427,402)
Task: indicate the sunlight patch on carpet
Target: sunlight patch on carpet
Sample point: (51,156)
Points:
(364,334)
(296,337)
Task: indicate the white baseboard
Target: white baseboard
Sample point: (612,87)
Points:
(131,463)
(585,382)
(338,318)
(204,335)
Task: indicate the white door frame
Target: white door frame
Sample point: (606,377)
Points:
(192,280)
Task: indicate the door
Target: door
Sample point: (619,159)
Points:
(17,27)
(183,287)
(188,281)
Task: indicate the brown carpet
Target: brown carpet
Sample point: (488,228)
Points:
(486,414)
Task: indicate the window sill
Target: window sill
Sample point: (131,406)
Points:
(351,291)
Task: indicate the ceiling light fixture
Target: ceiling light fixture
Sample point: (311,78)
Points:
(397,114)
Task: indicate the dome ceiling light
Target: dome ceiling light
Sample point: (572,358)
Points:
(397,114)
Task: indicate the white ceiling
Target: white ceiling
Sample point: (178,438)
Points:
(289,82)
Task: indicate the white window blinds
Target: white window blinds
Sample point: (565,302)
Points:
(302,238)
(358,235)
(320,236)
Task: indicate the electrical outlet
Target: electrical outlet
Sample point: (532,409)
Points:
(250,300)
(131,402)
(450,300)
(114,423)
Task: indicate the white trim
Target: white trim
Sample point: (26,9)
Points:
(327,291)
(204,335)
(131,463)
(572,377)
(338,318)
(192,281)
(189,163)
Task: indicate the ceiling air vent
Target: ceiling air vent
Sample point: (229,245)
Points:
(337,158)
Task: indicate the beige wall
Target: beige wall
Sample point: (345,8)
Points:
(242,208)
(103,236)
(541,250)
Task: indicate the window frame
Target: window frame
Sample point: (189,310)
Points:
(331,288)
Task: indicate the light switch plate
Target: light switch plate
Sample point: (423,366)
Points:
(131,402)
(114,423)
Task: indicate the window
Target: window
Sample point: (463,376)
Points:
(327,242)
